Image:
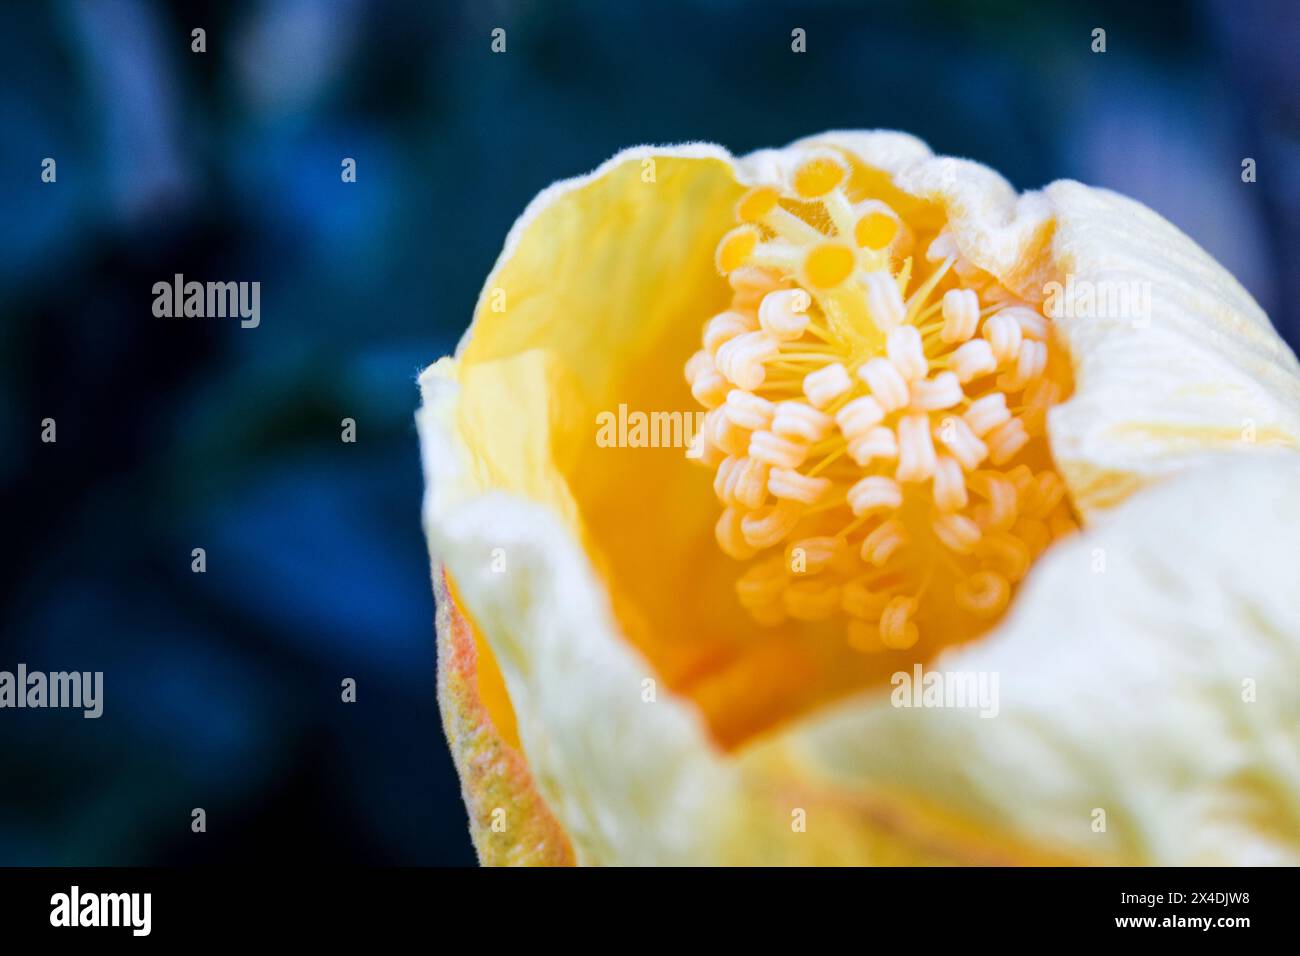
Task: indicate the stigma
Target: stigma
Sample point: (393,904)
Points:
(876,422)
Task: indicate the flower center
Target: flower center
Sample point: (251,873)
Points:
(876,422)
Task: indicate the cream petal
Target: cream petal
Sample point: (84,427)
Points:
(632,781)
(1147,670)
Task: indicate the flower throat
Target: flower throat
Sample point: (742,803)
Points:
(876,423)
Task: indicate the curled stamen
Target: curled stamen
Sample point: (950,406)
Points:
(748,410)
(884,542)
(784,314)
(897,632)
(984,593)
(859,415)
(973,359)
(790,485)
(799,422)
(903,346)
(916,458)
(858,599)
(874,493)
(811,600)
(730,537)
(762,584)
(958,533)
(813,555)
(743,483)
(1006,553)
(1032,325)
(949,484)
(741,359)
(942,391)
(878,442)
(770,525)
(957,437)
(726,434)
(826,384)
(1003,335)
(987,413)
(724,327)
(1006,440)
(887,384)
(778,451)
(884,301)
(961,315)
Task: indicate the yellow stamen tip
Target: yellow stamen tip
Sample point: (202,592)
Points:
(875,230)
(735,248)
(818,176)
(756,203)
(828,265)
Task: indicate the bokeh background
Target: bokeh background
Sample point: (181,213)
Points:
(223,689)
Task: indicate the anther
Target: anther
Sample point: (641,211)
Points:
(859,415)
(956,532)
(884,301)
(987,413)
(1006,440)
(724,327)
(933,395)
(800,422)
(973,359)
(887,384)
(770,525)
(884,542)
(961,315)
(874,493)
(859,600)
(897,632)
(730,537)
(961,442)
(903,346)
(788,484)
(741,359)
(949,484)
(783,314)
(1003,335)
(777,451)
(813,555)
(984,593)
(748,410)
(916,457)
(878,442)
(826,384)
(811,600)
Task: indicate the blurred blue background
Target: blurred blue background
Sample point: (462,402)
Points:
(223,689)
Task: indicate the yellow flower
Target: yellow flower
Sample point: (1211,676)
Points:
(910,382)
